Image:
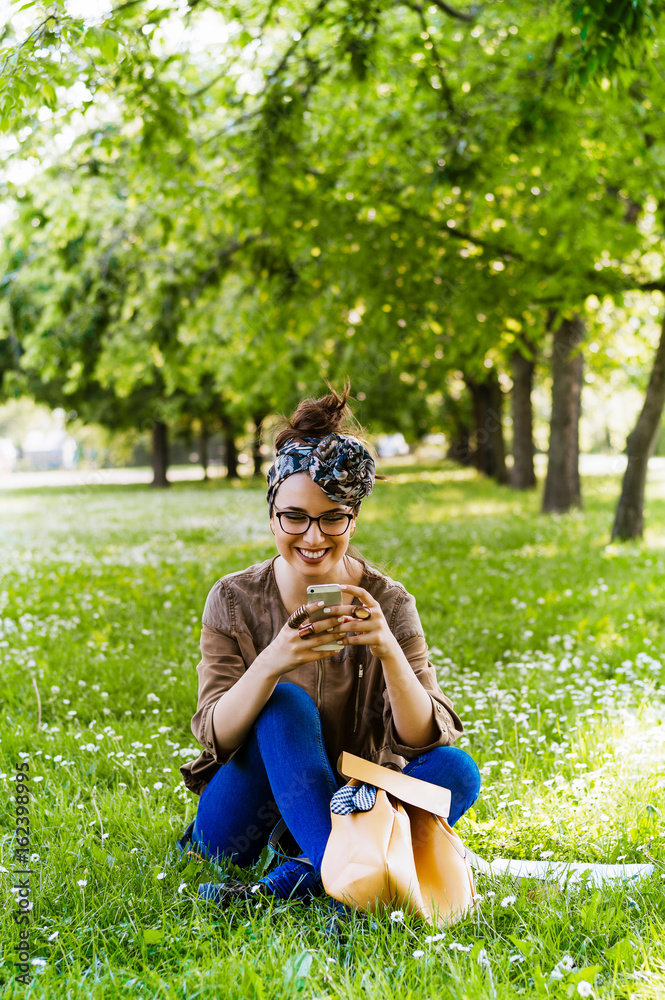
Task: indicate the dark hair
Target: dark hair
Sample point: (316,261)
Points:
(320,417)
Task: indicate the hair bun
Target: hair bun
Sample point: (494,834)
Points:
(344,460)
(317,418)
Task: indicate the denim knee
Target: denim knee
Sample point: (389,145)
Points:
(457,768)
(468,776)
(287,698)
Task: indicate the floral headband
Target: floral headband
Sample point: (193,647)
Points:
(338,463)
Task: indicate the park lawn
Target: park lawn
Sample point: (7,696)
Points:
(548,639)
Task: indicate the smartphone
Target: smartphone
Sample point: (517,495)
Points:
(331,593)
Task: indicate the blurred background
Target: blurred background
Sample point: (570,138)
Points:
(208,207)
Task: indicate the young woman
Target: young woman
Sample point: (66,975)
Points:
(274,710)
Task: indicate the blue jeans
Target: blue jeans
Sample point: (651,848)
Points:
(282,770)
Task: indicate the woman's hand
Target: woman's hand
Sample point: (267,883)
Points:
(288,650)
(373,632)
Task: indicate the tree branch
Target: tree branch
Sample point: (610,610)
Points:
(303,34)
(459,234)
(458,14)
(445,89)
(207,86)
(17,48)
(271,76)
(551,60)
(124,6)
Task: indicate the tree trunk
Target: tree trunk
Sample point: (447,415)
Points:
(230,450)
(629,518)
(203,448)
(256,444)
(562,484)
(160,454)
(523,476)
(490,452)
(459,449)
(459,440)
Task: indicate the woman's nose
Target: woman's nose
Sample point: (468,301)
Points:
(314,536)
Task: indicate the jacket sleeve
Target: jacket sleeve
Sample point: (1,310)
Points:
(407,629)
(221,666)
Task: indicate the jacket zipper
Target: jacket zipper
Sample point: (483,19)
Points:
(361,671)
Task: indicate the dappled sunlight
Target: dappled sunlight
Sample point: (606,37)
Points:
(456,474)
(474,508)
(606,799)
(546,551)
(589,788)
(654,539)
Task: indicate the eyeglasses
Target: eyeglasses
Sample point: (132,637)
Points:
(295,522)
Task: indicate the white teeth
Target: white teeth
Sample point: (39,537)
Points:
(312,555)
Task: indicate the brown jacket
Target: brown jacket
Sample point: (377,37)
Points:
(243,614)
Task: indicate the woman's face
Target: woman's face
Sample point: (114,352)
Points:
(301,493)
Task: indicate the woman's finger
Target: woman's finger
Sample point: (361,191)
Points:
(313,633)
(362,593)
(338,609)
(357,625)
(361,639)
(320,627)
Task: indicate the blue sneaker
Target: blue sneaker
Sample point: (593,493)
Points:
(293,880)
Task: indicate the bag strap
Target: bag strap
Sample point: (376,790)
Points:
(273,843)
(415,791)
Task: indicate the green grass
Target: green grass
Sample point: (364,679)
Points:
(548,639)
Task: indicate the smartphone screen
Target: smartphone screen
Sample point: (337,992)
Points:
(331,593)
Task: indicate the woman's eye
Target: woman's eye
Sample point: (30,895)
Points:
(295,518)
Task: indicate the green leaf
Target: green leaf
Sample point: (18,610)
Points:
(588,974)
(299,966)
(476,950)
(539,979)
(525,947)
(190,871)
(252,984)
(621,953)
(267,854)
(49,95)
(108,42)
(153,935)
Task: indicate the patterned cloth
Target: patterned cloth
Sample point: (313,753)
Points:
(338,463)
(353,798)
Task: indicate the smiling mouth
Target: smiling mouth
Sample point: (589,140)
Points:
(315,555)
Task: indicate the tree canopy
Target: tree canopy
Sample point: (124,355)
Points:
(233,199)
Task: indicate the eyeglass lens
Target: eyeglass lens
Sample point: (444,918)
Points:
(295,523)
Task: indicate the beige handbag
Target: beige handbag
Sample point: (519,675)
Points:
(400,853)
